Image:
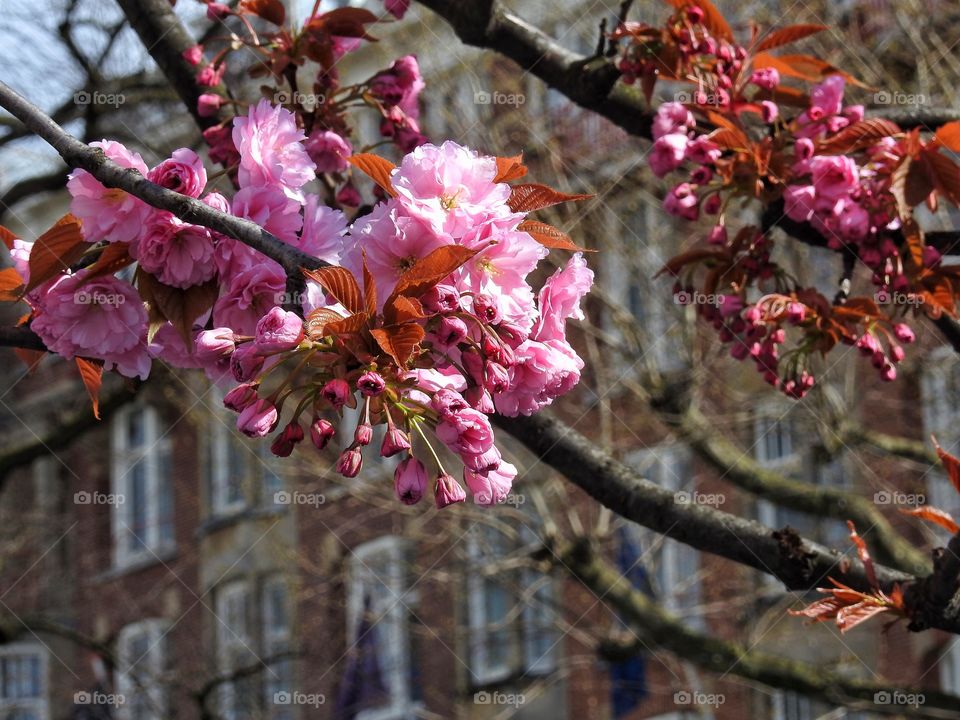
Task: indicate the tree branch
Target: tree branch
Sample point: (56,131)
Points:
(79,155)
(658,627)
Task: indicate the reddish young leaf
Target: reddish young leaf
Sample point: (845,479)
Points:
(11,285)
(935,516)
(787,35)
(802,67)
(857,136)
(950,464)
(369,289)
(400,309)
(549,236)
(949,135)
(91,372)
(344,22)
(180,308)
(115,256)
(430,270)
(530,197)
(945,174)
(399,341)
(510,168)
(270,10)
(340,283)
(377,168)
(7,236)
(316,322)
(56,250)
(30,358)
(348,325)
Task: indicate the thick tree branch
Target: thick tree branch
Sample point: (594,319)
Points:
(657,627)
(78,155)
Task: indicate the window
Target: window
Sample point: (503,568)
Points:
(141,663)
(238,697)
(378,633)
(141,479)
(792,706)
(512,623)
(23,682)
(941,417)
(950,668)
(676,579)
(276,641)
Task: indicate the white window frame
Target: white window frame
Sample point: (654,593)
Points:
(232,639)
(149,678)
(123,460)
(804,708)
(765,416)
(484,672)
(275,642)
(949,668)
(663,465)
(40,704)
(391,550)
(219,441)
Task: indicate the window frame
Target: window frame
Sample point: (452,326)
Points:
(155,454)
(39,704)
(155,629)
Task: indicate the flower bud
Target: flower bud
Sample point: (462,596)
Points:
(451,331)
(217,11)
(213,345)
(371,384)
(257,419)
(278,330)
(394,441)
(487,309)
(350,462)
(410,481)
(321,432)
(245,362)
(208,104)
(363,434)
(284,443)
(441,299)
(479,399)
(241,397)
(496,378)
(448,491)
(336,392)
(904,333)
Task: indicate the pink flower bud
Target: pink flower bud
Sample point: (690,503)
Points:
(245,362)
(241,397)
(257,419)
(448,402)
(451,331)
(410,481)
(321,432)
(350,462)
(904,333)
(796,312)
(448,491)
(484,462)
(479,399)
(711,206)
(182,172)
(441,299)
(363,434)
(284,443)
(766,78)
(803,148)
(395,441)
(336,392)
(897,353)
(769,111)
(217,11)
(718,235)
(278,331)
(496,378)
(216,344)
(349,196)
(208,104)
(487,308)
(211,76)
(371,384)
(888,373)
(194,54)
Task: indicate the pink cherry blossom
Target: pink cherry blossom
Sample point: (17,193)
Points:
(329,151)
(493,487)
(277,331)
(271,149)
(834,176)
(667,153)
(560,299)
(323,230)
(672,117)
(177,253)
(248,296)
(449,188)
(827,97)
(410,481)
(270,208)
(543,372)
(183,172)
(108,214)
